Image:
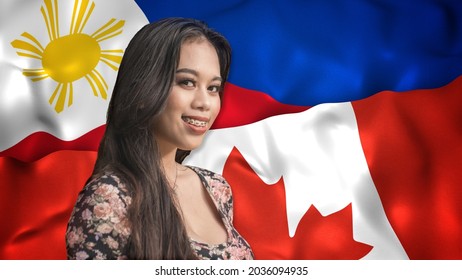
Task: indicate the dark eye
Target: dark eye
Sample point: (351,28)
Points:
(215,89)
(187,83)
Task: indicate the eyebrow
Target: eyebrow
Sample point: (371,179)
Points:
(195,73)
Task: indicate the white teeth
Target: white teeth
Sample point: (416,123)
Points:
(195,122)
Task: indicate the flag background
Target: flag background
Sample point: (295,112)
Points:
(312,52)
(302,54)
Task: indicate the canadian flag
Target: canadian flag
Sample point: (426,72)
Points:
(368,179)
(375,178)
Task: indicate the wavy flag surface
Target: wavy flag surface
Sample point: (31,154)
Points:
(340,131)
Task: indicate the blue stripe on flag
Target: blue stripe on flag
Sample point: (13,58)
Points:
(311,52)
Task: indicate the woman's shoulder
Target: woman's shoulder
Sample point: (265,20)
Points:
(105,187)
(98,227)
(105,178)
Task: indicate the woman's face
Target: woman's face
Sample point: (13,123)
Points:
(194,100)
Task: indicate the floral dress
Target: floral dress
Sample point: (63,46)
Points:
(98,228)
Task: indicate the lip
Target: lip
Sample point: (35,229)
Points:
(196,129)
(199,118)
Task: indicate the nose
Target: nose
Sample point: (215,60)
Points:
(202,100)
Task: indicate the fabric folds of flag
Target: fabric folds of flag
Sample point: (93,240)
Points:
(374,179)
(58,64)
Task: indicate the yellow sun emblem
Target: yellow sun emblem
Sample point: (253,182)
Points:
(68,58)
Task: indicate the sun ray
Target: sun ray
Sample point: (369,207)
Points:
(71,95)
(109,30)
(51,18)
(34,50)
(39,74)
(80,15)
(33,39)
(29,55)
(97,83)
(112,58)
(63,91)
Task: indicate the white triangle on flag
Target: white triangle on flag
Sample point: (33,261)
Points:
(25,104)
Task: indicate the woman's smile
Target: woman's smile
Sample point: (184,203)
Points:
(197,125)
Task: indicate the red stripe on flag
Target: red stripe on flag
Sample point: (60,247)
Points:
(40,144)
(413,146)
(36,200)
(243,106)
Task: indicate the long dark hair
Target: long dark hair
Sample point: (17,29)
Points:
(128,147)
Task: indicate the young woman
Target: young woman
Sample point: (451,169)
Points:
(141,202)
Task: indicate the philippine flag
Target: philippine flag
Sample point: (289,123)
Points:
(340,132)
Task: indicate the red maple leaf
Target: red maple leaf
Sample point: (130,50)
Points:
(260,216)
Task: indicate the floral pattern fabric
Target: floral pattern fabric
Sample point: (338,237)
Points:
(98,228)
